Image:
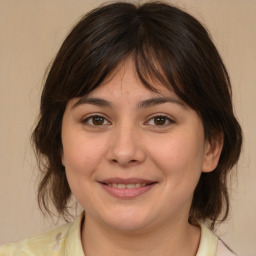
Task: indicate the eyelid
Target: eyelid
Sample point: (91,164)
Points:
(170,120)
(88,117)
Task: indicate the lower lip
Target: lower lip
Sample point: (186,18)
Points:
(127,193)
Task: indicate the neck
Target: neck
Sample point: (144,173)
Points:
(174,238)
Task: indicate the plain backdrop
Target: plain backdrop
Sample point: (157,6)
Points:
(31,32)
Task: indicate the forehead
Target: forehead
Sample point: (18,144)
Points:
(123,87)
(125,80)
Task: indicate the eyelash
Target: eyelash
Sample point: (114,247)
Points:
(87,119)
(168,119)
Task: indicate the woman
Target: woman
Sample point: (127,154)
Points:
(136,121)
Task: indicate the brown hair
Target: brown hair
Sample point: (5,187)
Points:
(167,45)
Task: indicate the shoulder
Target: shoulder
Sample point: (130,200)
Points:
(211,245)
(223,250)
(39,245)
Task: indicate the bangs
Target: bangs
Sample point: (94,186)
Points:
(167,49)
(94,56)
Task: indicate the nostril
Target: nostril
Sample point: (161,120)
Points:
(133,161)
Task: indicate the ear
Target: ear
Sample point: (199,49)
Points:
(213,149)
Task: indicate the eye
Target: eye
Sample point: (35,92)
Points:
(96,120)
(160,120)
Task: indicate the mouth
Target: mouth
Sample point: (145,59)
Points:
(127,188)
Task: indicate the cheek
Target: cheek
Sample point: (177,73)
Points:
(81,155)
(177,150)
(81,159)
(179,157)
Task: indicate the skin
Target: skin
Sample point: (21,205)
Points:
(128,141)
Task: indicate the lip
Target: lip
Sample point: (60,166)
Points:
(127,193)
(126,181)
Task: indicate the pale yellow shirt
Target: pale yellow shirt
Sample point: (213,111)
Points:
(65,241)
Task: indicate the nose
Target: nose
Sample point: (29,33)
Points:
(126,147)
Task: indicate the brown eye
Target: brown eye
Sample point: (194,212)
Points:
(160,120)
(96,121)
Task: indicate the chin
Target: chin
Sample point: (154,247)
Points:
(129,221)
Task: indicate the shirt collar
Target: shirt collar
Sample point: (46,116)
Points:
(73,245)
(208,242)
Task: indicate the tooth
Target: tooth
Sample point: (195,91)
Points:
(130,186)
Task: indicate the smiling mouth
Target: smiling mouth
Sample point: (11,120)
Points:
(127,188)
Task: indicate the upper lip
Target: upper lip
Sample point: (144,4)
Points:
(117,180)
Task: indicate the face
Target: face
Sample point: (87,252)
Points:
(133,157)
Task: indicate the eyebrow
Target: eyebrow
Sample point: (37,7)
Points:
(157,101)
(143,104)
(93,101)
